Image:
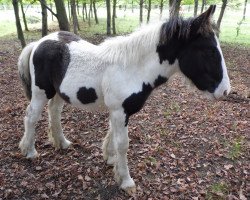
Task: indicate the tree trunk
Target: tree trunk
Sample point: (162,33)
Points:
(69,10)
(51,7)
(74,16)
(44,18)
(161,8)
(83,18)
(18,23)
(132,6)
(24,17)
(203,3)
(95,12)
(195,7)
(113,17)
(223,7)
(244,11)
(141,11)
(90,11)
(62,16)
(108,17)
(149,10)
(77,7)
(174,8)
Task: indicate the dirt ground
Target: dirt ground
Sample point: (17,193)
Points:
(182,145)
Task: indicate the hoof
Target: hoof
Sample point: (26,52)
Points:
(129,187)
(26,150)
(65,144)
(32,154)
(131,191)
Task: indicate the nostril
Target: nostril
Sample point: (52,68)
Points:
(225,93)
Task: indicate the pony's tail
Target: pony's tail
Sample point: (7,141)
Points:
(24,69)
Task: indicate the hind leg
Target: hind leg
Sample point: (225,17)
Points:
(108,148)
(55,129)
(33,112)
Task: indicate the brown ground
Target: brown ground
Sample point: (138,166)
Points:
(182,146)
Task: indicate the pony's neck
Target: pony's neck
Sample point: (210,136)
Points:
(132,49)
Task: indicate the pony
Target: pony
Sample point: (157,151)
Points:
(119,75)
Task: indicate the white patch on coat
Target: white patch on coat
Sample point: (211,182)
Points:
(224,85)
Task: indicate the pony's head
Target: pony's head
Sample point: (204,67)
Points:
(195,47)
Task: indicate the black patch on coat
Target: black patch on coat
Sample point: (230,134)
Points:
(87,95)
(159,81)
(135,101)
(195,50)
(67,37)
(51,60)
(64,97)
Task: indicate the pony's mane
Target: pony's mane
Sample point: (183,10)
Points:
(130,49)
(181,28)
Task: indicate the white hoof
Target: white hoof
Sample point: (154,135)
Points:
(65,144)
(27,150)
(129,186)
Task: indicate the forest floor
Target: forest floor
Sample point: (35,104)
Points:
(182,145)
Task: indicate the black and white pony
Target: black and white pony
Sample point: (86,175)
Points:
(118,74)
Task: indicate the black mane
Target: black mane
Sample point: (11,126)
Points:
(183,29)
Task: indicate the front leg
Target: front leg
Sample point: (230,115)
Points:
(121,143)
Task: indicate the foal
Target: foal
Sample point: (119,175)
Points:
(118,74)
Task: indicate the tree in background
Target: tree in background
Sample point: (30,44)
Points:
(74,16)
(174,8)
(203,3)
(113,17)
(95,12)
(141,11)
(149,10)
(44,17)
(108,17)
(24,17)
(195,7)
(18,23)
(244,10)
(161,8)
(223,7)
(61,15)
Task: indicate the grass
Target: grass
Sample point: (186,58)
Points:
(235,149)
(217,191)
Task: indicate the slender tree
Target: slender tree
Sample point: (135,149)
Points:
(24,16)
(161,8)
(95,12)
(113,17)
(108,17)
(74,16)
(195,7)
(44,17)
(149,10)
(203,3)
(174,7)
(69,10)
(90,12)
(61,15)
(18,23)
(244,10)
(141,10)
(223,7)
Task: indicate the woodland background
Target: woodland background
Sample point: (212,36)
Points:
(182,146)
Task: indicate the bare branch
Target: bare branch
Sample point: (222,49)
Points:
(48,8)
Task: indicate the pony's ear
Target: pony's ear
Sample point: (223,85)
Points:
(203,20)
